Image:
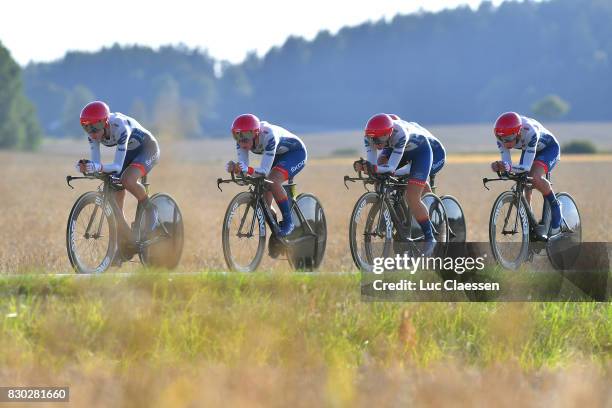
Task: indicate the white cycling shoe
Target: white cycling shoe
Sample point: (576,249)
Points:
(428,247)
(554,232)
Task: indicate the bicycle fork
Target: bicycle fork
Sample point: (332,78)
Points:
(252,205)
(98,233)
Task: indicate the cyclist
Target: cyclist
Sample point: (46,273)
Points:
(136,154)
(540,154)
(399,147)
(437,150)
(284,156)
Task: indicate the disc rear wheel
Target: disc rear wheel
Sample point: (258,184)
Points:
(456,219)
(312,248)
(162,247)
(563,249)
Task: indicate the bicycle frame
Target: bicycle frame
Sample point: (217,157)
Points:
(522,181)
(105,189)
(257,187)
(111,184)
(387,188)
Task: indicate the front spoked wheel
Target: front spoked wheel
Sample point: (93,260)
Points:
(244,233)
(563,249)
(91,234)
(509,231)
(162,246)
(370,231)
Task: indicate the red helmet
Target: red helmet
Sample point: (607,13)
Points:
(394,116)
(507,124)
(246,123)
(379,125)
(94,112)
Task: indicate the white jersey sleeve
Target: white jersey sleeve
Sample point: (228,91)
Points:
(243,155)
(530,135)
(121,133)
(505,153)
(404,170)
(270,142)
(370,151)
(94,148)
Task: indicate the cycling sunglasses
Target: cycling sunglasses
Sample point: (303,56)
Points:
(380,140)
(244,136)
(93,127)
(507,139)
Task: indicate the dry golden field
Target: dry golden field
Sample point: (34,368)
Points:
(35,201)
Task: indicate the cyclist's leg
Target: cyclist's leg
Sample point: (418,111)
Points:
(143,162)
(528,190)
(414,190)
(276,192)
(285,167)
(130,178)
(438,160)
(543,164)
(120,195)
(420,167)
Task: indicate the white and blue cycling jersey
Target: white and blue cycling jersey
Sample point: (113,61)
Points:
(408,150)
(538,146)
(135,145)
(437,150)
(280,148)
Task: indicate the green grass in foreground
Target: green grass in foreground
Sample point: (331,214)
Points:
(279,320)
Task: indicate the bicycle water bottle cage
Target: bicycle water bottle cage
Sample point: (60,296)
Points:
(290,188)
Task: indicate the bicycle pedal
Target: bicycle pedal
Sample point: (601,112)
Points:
(538,238)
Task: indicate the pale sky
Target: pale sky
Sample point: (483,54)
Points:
(45,30)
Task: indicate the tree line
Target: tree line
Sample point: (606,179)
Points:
(552,59)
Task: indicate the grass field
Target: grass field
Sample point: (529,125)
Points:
(276,338)
(279,339)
